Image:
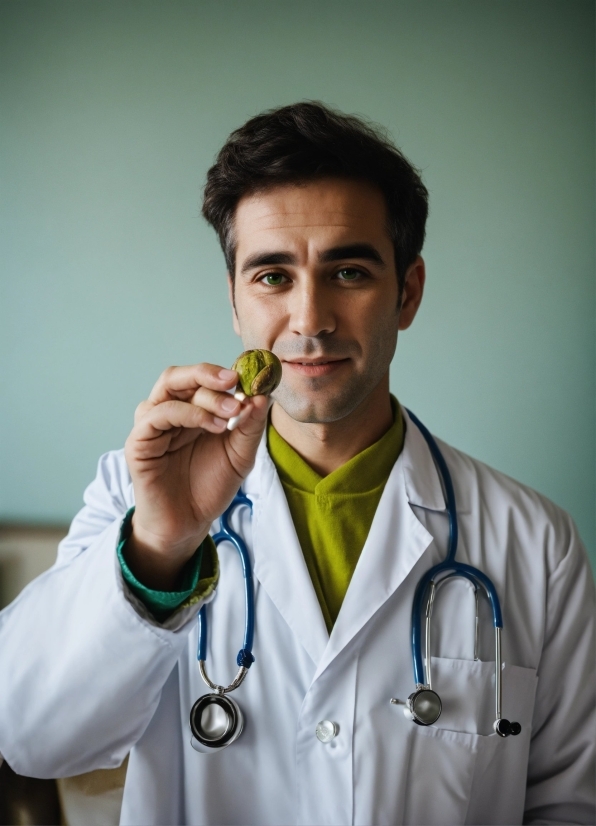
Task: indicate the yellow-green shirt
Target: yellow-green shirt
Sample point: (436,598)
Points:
(333,514)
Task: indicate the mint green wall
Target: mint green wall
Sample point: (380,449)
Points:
(111,114)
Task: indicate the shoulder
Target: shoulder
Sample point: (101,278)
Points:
(480,485)
(512,511)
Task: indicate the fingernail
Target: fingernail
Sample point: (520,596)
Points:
(229,404)
(220,422)
(227,375)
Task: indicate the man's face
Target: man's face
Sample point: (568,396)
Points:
(315,283)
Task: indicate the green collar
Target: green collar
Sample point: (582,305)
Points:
(363,473)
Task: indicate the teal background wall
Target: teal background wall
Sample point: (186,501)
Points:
(111,114)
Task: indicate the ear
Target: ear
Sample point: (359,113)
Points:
(235,322)
(412,293)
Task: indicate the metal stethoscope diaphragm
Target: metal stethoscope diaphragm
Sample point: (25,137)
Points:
(215,722)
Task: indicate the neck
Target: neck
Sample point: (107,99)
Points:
(329,445)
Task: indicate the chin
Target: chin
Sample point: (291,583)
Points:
(317,408)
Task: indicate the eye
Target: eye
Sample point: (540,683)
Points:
(349,274)
(273,279)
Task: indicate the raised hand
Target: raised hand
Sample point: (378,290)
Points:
(186,466)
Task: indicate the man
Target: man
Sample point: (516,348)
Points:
(322,222)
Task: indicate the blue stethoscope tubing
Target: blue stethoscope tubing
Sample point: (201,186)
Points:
(448,566)
(226,533)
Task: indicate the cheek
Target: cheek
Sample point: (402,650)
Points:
(260,322)
(370,313)
(376,325)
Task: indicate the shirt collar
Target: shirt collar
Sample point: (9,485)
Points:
(421,477)
(366,471)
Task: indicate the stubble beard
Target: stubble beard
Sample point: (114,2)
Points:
(330,401)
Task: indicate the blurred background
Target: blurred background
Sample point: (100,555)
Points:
(111,114)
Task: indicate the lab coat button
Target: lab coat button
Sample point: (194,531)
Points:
(326,730)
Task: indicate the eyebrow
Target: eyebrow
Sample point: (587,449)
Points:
(267,259)
(364,252)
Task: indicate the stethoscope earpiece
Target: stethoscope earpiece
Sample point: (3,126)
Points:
(215,721)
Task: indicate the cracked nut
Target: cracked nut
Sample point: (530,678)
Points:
(259,372)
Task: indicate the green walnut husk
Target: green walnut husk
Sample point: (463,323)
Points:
(259,372)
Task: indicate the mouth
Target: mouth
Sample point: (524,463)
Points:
(315,367)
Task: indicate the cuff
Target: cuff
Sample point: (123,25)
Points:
(198,580)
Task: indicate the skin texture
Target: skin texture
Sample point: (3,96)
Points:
(298,295)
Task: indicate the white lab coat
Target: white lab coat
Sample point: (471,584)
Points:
(86,676)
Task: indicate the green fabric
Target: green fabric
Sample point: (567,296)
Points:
(199,577)
(333,514)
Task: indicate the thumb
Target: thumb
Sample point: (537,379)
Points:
(244,439)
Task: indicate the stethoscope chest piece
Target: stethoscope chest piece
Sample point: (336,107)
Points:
(215,722)
(423,706)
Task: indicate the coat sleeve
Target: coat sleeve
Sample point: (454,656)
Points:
(560,785)
(82,662)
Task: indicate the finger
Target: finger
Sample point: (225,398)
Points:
(223,405)
(142,408)
(251,422)
(183,382)
(242,443)
(237,420)
(176,414)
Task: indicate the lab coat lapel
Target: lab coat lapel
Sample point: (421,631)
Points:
(279,562)
(395,543)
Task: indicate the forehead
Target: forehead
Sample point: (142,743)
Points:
(325,209)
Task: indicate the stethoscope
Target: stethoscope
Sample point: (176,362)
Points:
(216,720)
(424,705)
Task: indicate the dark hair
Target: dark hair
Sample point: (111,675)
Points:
(307,141)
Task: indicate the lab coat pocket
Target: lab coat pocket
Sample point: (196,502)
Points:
(458,768)
(442,758)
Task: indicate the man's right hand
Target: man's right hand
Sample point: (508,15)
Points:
(186,466)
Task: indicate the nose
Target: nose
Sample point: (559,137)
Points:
(311,310)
